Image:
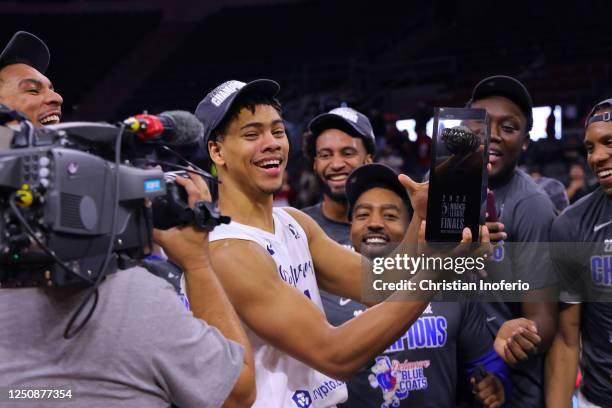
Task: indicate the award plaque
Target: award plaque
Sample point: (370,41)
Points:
(458,173)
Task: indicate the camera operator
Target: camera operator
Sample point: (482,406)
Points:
(23,85)
(141,347)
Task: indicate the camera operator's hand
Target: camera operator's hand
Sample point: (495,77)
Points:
(187,245)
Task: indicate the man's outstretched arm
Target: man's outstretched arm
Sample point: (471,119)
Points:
(288,320)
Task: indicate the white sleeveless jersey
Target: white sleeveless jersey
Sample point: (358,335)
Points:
(283,381)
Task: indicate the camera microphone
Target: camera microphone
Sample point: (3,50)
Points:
(170,127)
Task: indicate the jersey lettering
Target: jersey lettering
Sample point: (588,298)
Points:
(601,270)
(426,332)
(295,273)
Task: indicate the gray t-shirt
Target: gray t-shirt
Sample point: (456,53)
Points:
(585,264)
(527,214)
(338,231)
(141,348)
(427,364)
(334,305)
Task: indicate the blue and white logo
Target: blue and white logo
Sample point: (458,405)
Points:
(152,185)
(224,91)
(498,252)
(346,113)
(302,399)
(294,232)
(184,300)
(269,248)
(601,270)
(396,380)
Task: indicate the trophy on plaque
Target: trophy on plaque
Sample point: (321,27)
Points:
(458,173)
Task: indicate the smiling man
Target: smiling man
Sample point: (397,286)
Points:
(337,143)
(444,347)
(524,329)
(272,261)
(23,85)
(585,326)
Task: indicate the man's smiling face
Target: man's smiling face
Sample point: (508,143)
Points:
(380,219)
(253,151)
(598,142)
(337,154)
(508,135)
(25,89)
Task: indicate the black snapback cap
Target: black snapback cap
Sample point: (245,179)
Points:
(604,117)
(343,118)
(215,105)
(370,176)
(508,87)
(26,48)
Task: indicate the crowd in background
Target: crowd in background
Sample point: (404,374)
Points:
(561,159)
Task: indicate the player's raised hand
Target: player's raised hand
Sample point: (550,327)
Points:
(465,247)
(417,193)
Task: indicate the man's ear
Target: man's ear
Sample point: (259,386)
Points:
(526,142)
(215,150)
(368,159)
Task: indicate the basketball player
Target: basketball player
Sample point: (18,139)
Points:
(23,85)
(586,276)
(524,329)
(266,260)
(337,142)
(448,342)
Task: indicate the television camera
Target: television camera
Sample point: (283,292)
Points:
(79,200)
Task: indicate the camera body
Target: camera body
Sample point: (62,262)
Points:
(173,209)
(65,197)
(58,202)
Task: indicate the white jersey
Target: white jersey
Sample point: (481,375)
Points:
(283,381)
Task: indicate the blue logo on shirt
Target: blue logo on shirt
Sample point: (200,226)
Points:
(270,249)
(601,270)
(396,380)
(294,231)
(295,273)
(427,332)
(498,252)
(184,300)
(302,399)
